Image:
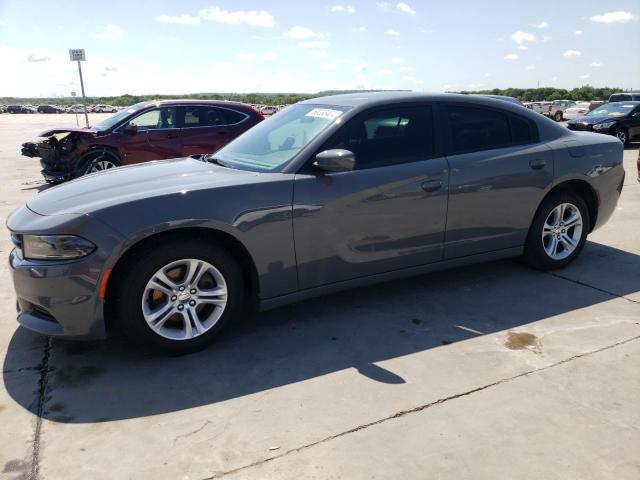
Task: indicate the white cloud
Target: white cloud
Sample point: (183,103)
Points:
(32,58)
(522,37)
(578,32)
(553,79)
(360,29)
(511,56)
(343,8)
(571,53)
(301,33)
(254,18)
(540,25)
(397,60)
(596,64)
(531,67)
(392,32)
(319,53)
(546,38)
(385,72)
(383,6)
(403,7)
(111,32)
(361,67)
(183,19)
(613,17)
(314,44)
(409,78)
(329,66)
(523,47)
(586,75)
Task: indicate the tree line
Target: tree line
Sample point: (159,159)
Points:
(586,93)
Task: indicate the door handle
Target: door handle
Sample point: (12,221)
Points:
(537,163)
(431,185)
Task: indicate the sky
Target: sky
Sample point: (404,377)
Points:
(192,46)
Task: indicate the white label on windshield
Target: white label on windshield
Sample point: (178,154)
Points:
(325,113)
(627,106)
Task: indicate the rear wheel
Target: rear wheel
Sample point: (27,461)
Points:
(179,295)
(558,116)
(558,232)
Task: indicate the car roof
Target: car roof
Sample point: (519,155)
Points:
(628,102)
(219,103)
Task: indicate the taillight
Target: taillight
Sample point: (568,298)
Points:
(550,108)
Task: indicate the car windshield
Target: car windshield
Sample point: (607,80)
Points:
(273,143)
(612,110)
(116,118)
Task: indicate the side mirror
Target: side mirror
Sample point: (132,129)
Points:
(130,129)
(335,160)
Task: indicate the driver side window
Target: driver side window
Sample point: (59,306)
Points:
(156,119)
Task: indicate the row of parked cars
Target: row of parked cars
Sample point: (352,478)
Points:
(44,108)
(560,110)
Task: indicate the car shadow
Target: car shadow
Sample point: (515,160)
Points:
(111,380)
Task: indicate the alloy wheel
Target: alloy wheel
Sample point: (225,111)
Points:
(562,231)
(184,299)
(622,136)
(101,165)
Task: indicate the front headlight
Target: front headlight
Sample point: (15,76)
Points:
(603,126)
(55,247)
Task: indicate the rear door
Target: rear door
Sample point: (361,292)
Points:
(499,172)
(204,129)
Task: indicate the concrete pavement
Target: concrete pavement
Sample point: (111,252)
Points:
(491,371)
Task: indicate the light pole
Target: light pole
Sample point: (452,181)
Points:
(77,55)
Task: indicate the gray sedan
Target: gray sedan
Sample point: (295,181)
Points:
(327,194)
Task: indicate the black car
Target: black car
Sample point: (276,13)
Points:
(624,96)
(19,109)
(621,119)
(49,109)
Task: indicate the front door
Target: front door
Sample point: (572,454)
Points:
(387,214)
(156,137)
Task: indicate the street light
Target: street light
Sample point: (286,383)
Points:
(77,55)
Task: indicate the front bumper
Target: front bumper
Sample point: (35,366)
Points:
(58,298)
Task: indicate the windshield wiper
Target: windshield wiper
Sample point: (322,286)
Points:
(210,158)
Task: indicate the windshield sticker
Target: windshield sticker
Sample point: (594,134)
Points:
(627,106)
(326,113)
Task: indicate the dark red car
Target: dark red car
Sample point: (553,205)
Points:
(146,131)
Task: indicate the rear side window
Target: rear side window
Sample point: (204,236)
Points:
(199,116)
(233,117)
(620,97)
(474,129)
(388,137)
(523,131)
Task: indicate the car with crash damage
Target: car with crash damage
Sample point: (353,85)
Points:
(621,119)
(146,131)
(328,194)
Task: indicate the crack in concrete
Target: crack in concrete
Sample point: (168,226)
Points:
(40,406)
(584,284)
(420,408)
(193,432)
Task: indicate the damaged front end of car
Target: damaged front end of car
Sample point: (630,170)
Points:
(59,153)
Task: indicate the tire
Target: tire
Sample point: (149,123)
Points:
(133,297)
(623,136)
(538,250)
(98,161)
(558,116)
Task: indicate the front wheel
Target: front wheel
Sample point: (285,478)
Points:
(98,162)
(558,232)
(177,296)
(623,136)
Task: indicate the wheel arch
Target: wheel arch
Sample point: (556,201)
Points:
(231,243)
(84,158)
(586,192)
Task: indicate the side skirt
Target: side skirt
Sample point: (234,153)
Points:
(269,303)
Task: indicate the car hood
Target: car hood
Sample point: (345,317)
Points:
(54,131)
(593,120)
(127,184)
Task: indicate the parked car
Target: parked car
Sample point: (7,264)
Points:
(624,97)
(553,109)
(595,104)
(268,110)
(49,109)
(621,119)
(20,109)
(578,110)
(76,109)
(329,194)
(146,131)
(105,109)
